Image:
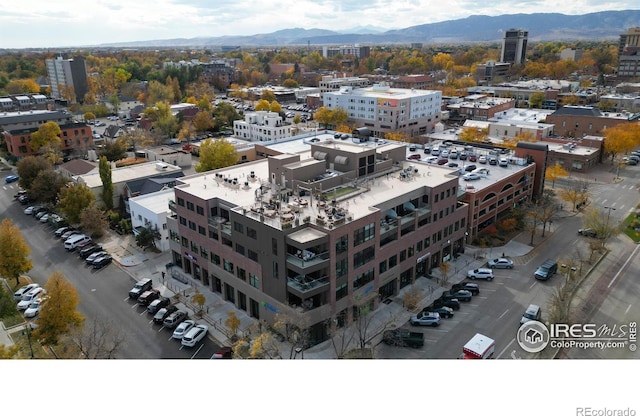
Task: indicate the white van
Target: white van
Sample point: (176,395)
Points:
(30,297)
(75,241)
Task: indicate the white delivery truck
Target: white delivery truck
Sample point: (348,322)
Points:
(478,347)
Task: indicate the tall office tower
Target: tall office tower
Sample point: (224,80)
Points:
(631,38)
(65,73)
(514,46)
(629,55)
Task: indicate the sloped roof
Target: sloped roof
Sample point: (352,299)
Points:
(584,111)
(149,185)
(111,131)
(78,166)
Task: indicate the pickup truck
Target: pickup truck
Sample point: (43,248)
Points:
(403,338)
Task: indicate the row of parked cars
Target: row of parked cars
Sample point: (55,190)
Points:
(167,314)
(29,299)
(450,300)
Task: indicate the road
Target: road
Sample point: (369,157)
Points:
(103,293)
(496,311)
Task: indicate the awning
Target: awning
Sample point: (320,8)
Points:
(392,213)
(341,160)
(320,155)
(409,206)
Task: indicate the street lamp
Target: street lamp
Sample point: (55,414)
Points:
(606,230)
(27,331)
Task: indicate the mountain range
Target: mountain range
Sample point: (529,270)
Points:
(541,26)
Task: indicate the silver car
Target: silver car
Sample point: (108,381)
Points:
(500,263)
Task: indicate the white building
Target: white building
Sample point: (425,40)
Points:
(150,211)
(263,126)
(383,109)
(330,83)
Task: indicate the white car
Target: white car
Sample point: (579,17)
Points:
(183,328)
(93,256)
(30,297)
(33,309)
(500,263)
(471,176)
(30,210)
(482,273)
(24,290)
(195,335)
(44,218)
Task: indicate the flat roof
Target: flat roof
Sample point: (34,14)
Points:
(157,202)
(128,173)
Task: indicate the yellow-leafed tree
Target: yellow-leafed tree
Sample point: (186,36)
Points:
(621,139)
(555,172)
(216,154)
(58,314)
(14,251)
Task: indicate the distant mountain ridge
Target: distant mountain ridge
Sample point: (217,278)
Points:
(477,28)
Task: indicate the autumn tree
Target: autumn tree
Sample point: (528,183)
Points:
(199,300)
(89,116)
(225,114)
(101,339)
(47,185)
(73,200)
(203,121)
(536,99)
(58,315)
(599,220)
(555,172)
(146,238)
(115,150)
(474,135)
(216,154)
(262,105)
(157,92)
(93,220)
(104,168)
(163,119)
(275,107)
(14,251)
(575,192)
(204,104)
(294,326)
(29,167)
(232,323)
(112,79)
(621,138)
(46,140)
(445,268)
(397,136)
(268,95)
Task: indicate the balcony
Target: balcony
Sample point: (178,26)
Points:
(306,286)
(307,259)
(172,206)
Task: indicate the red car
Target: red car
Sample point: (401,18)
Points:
(443,161)
(414,157)
(473,158)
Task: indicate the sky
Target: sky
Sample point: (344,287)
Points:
(64,23)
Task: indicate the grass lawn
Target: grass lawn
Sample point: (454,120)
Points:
(633,234)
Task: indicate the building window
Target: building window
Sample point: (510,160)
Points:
(228,266)
(185,242)
(403,255)
(203,252)
(253,255)
(383,266)
(363,278)
(363,257)
(251,233)
(274,246)
(254,281)
(194,247)
(342,244)
(192,225)
(393,261)
(242,274)
(181,202)
(364,234)
(342,268)
(240,249)
(342,291)
(202,230)
(183,221)
(190,206)
(410,251)
(238,227)
(215,259)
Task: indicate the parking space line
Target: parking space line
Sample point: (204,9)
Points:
(532,285)
(505,348)
(503,314)
(197,351)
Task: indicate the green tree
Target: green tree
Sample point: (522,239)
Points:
(58,315)
(536,99)
(104,168)
(14,251)
(47,185)
(147,237)
(114,100)
(115,150)
(29,167)
(216,154)
(89,116)
(73,200)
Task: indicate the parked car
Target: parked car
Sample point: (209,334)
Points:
(40,213)
(101,262)
(473,158)
(461,295)
(500,263)
(18,294)
(33,309)
(147,297)
(183,328)
(24,199)
(89,250)
(140,287)
(481,273)
(452,303)
(29,297)
(588,232)
(482,159)
(443,311)
(12,178)
(471,176)
(158,304)
(195,335)
(174,319)
(414,157)
(425,318)
(442,161)
(64,236)
(493,160)
(470,168)
(162,313)
(94,256)
(474,288)
(30,210)
(504,162)
(403,338)
(223,352)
